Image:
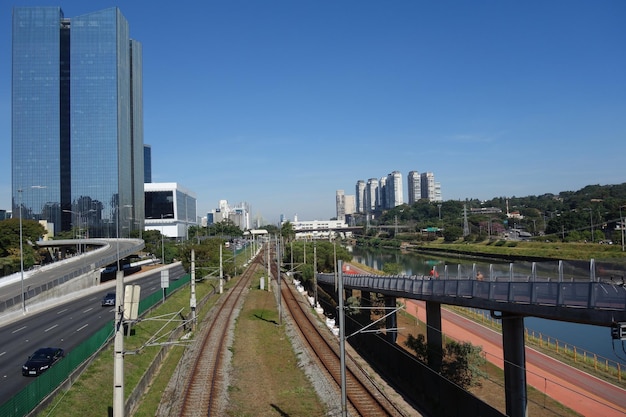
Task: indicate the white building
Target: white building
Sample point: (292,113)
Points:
(319,229)
(360,196)
(169,208)
(239,214)
(414,187)
(395,196)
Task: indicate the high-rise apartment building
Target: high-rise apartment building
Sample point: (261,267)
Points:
(340,205)
(394,192)
(360,196)
(77,121)
(371,195)
(431,189)
(414,187)
(350,204)
(382,194)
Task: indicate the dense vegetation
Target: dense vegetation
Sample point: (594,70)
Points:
(10,245)
(590,214)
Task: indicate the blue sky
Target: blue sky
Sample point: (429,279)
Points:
(281,103)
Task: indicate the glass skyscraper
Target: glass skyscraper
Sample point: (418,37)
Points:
(77,121)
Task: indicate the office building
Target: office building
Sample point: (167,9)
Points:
(239,214)
(147,163)
(77,121)
(170,209)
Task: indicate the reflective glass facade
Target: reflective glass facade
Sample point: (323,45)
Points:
(77,120)
(37,113)
(147,163)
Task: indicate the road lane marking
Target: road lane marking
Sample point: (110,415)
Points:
(88,310)
(17,330)
(50,328)
(2,353)
(81,328)
(62,311)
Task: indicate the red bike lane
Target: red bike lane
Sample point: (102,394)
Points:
(582,392)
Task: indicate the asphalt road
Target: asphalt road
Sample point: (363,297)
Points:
(65,324)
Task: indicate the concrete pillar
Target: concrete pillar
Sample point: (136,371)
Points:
(391,322)
(434,337)
(514,365)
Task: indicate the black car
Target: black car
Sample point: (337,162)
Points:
(108,300)
(42,360)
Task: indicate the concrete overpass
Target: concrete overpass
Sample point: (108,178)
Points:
(100,252)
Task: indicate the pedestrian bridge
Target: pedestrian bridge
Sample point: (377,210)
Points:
(589,301)
(579,301)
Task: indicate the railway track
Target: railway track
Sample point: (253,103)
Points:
(363,396)
(204,392)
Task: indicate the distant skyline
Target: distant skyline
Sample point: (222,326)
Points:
(280,104)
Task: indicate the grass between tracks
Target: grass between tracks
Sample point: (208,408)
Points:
(266,379)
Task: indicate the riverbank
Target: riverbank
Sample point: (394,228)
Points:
(531,251)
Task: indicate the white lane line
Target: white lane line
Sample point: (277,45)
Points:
(50,328)
(2,353)
(88,310)
(17,330)
(62,311)
(81,328)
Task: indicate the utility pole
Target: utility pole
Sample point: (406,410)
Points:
(118,366)
(280,315)
(267,262)
(315,273)
(192,299)
(342,342)
(221,272)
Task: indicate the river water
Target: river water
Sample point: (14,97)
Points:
(593,339)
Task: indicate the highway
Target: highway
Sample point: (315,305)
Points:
(65,323)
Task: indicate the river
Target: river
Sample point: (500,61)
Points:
(594,339)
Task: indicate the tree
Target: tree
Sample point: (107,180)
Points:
(452,233)
(287,231)
(392,268)
(461,364)
(419,346)
(32,231)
